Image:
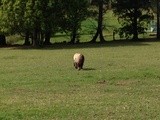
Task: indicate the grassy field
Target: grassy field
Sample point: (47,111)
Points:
(119,82)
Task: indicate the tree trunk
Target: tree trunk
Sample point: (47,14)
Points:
(135,24)
(99,31)
(109,4)
(74,35)
(158,22)
(2,40)
(36,38)
(47,38)
(26,42)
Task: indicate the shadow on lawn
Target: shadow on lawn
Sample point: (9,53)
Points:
(88,69)
(115,43)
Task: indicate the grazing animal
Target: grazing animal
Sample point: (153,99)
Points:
(78,59)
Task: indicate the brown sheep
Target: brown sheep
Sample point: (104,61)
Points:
(78,61)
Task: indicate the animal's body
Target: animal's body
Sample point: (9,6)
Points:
(78,59)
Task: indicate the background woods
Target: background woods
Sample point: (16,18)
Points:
(38,21)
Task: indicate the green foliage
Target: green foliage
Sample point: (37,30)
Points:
(133,16)
(76,11)
(39,20)
(42,18)
(154,5)
(21,16)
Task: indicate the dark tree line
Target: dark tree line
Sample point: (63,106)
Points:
(39,20)
(133,15)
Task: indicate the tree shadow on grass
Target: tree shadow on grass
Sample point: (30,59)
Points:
(88,69)
(115,43)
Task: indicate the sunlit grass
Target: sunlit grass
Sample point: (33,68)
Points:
(119,81)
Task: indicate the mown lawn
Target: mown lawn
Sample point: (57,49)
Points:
(120,81)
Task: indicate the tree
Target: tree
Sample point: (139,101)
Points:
(35,19)
(14,18)
(75,12)
(7,17)
(133,16)
(51,16)
(158,18)
(101,11)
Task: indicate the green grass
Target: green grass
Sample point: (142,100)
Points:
(119,81)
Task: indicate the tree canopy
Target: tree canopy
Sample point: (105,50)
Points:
(38,20)
(133,16)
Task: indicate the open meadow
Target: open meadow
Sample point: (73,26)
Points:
(120,81)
